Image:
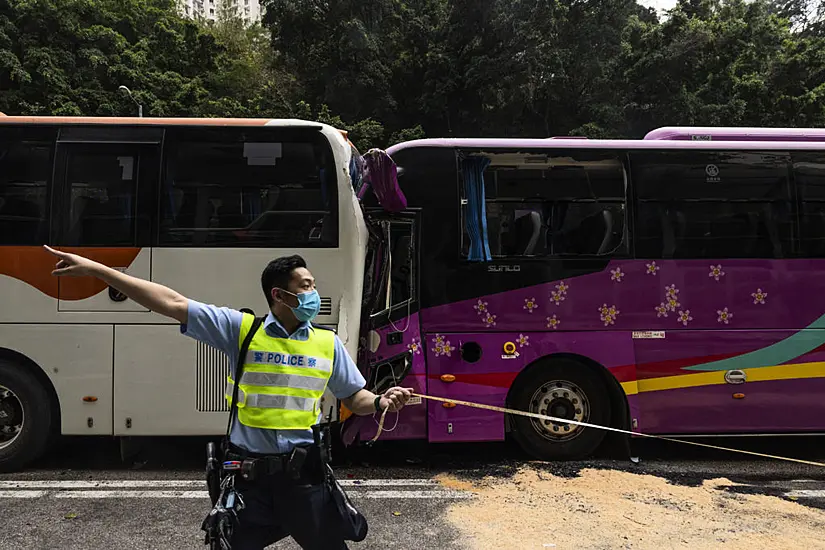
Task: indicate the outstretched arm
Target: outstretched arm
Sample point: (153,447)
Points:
(153,296)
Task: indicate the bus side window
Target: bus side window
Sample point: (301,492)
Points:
(248,188)
(102,199)
(569,205)
(809,175)
(725,204)
(25,182)
(399,287)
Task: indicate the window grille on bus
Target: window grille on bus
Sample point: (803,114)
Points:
(326,306)
(212,370)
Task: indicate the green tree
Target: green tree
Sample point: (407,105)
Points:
(392,70)
(247,81)
(721,63)
(336,52)
(68,57)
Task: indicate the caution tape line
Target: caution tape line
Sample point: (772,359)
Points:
(612,429)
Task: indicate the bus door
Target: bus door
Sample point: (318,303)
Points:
(393,348)
(107,177)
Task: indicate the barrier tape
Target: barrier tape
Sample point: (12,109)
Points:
(596,426)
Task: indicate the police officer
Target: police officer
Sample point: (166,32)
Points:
(279,396)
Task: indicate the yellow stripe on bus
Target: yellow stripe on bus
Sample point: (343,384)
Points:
(757,374)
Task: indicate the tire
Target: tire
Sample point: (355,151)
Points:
(22,392)
(579,394)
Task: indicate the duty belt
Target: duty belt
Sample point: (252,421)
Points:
(251,467)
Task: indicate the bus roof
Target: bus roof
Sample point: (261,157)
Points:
(700,133)
(508,143)
(152,121)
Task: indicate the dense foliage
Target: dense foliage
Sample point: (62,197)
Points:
(389,70)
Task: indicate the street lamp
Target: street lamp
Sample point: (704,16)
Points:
(128,92)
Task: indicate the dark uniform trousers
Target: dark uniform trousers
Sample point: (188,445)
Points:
(277,506)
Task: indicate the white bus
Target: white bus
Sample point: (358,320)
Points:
(200,205)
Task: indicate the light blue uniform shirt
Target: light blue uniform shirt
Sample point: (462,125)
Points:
(220,327)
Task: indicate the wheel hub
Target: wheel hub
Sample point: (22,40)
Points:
(11,417)
(560,399)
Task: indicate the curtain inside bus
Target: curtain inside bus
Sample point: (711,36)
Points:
(475,217)
(382,175)
(356,170)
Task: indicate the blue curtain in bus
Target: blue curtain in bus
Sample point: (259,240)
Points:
(323,175)
(475,220)
(356,171)
(251,204)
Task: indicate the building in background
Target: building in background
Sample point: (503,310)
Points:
(248,10)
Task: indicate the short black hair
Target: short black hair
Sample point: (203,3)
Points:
(278,272)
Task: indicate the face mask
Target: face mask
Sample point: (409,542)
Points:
(309,304)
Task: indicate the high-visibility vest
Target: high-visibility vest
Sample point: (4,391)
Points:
(282,380)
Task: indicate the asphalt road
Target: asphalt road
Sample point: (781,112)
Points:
(84,496)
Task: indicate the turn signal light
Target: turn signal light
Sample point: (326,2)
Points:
(89,399)
(739,396)
(448,405)
(447,378)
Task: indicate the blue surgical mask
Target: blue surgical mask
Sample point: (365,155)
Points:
(309,304)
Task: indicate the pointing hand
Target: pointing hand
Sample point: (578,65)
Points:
(71,264)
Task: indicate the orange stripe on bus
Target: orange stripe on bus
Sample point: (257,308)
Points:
(33,265)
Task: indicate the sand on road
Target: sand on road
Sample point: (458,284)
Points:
(616,509)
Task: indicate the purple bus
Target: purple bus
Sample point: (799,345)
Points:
(736,134)
(664,287)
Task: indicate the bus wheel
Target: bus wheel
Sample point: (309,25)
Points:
(25,417)
(566,389)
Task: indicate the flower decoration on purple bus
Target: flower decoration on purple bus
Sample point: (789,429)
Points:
(662,309)
(557,296)
(442,346)
(530,304)
(553,322)
(671,297)
(724,316)
(652,268)
(486,317)
(684,317)
(608,314)
(523,340)
(616,274)
(716,272)
(415,346)
(759,296)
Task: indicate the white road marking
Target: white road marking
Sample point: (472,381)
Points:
(806,493)
(113,484)
(409,494)
(387,482)
(783,482)
(185,483)
(185,489)
(130,494)
(22,494)
(203,494)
